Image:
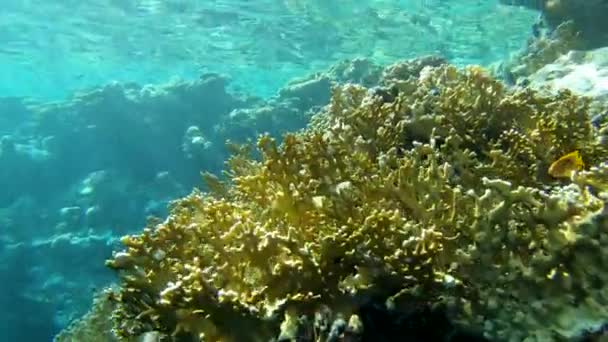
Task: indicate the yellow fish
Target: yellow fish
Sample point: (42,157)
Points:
(566,165)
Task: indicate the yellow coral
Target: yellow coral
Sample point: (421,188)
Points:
(440,195)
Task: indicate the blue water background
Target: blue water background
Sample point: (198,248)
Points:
(52,48)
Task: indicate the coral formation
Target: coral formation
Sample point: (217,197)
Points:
(61,200)
(587,17)
(95,325)
(583,72)
(541,50)
(293,105)
(441,197)
(359,70)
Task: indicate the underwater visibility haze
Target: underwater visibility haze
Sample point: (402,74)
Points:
(304,170)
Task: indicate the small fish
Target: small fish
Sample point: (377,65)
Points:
(566,165)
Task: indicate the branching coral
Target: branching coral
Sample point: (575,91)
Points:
(440,197)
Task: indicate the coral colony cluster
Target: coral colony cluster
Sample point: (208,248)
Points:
(439,189)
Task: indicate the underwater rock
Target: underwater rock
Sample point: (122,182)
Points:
(93,216)
(32,151)
(359,70)
(409,69)
(274,116)
(70,219)
(588,17)
(93,182)
(307,93)
(541,49)
(94,325)
(119,120)
(583,72)
(165,183)
(195,145)
(315,90)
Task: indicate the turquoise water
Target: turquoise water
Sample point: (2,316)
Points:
(52,48)
(109,109)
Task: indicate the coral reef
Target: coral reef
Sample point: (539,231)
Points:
(438,197)
(79,173)
(542,49)
(587,17)
(293,105)
(408,71)
(566,25)
(583,72)
(359,70)
(95,325)
(62,200)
